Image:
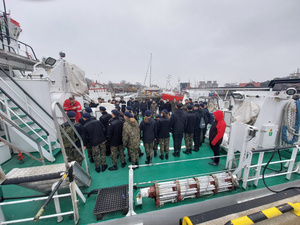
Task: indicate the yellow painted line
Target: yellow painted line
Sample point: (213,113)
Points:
(245,220)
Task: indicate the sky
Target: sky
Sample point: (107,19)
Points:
(191,40)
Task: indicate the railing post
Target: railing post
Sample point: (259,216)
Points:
(292,162)
(130,192)
(49,143)
(74,201)
(56,204)
(258,168)
(247,164)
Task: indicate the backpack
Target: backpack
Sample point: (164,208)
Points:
(71,134)
(202,122)
(211,118)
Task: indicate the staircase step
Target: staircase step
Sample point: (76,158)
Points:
(28,123)
(12,108)
(40,139)
(36,130)
(55,151)
(15,117)
(47,146)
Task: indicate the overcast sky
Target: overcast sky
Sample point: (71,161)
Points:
(192,40)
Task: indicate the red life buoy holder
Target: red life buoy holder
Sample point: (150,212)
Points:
(28,55)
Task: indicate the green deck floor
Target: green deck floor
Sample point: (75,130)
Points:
(180,168)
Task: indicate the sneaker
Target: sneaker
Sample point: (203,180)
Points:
(213,163)
(113,168)
(123,164)
(98,169)
(92,160)
(104,167)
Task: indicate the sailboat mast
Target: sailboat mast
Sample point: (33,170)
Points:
(150,67)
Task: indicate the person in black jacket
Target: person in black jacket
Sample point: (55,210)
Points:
(163,134)
(93,104)
(155,145)
(86,110)
(206,118)
(104,120)
(178,124)
(105,117)
(114,134)
(148,129)
(95,136)
(197,130)
(189,130)
(161,105)
(122,104)
(168,105)
(82,121)
(143,107)
(136,107)
(130,102)
(149,103)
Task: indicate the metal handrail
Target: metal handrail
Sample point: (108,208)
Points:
(272,149)
(59,128)
(283,81)
(26,45)
(7,120)
(25,92)
(25,112)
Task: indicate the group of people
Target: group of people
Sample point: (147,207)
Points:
(119,130)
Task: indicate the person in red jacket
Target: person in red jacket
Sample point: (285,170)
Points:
(216,133)
(72,105)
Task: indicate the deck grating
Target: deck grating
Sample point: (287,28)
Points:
(110,200)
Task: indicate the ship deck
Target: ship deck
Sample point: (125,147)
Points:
(176,168)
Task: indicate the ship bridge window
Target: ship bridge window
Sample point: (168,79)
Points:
(50,61)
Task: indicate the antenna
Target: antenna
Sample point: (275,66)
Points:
(168,81)
(148,68)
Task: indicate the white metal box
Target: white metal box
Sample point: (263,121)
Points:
(268,136)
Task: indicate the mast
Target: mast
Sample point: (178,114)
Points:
(150,67)
(6,25)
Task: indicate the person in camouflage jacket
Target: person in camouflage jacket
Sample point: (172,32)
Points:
(131,137)
(153,108)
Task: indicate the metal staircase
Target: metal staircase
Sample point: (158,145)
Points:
(27,124)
